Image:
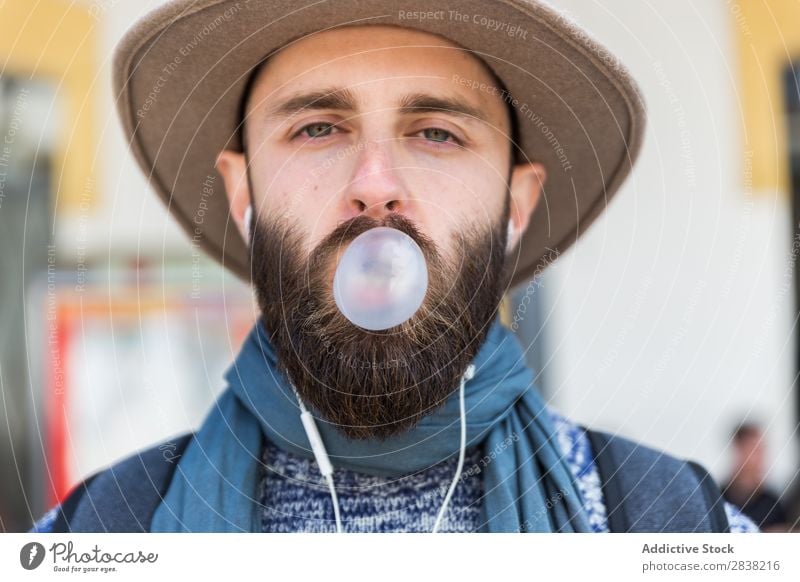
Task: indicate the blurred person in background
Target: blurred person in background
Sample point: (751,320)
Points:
(746,488)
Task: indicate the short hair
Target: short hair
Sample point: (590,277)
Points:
(746,430)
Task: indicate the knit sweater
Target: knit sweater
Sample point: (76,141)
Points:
(295,498)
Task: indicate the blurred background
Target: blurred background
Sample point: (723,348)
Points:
(672,321)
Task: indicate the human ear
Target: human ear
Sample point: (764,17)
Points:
(527,181)
(232,166)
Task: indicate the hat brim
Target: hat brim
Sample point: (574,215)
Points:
(180,72)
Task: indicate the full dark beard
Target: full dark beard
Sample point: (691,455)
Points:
(375,384)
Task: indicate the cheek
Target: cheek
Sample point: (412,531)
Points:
(448,200)
(304,197)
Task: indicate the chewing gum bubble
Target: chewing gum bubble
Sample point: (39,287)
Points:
(381,279)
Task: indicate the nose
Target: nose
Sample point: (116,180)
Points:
(375,188)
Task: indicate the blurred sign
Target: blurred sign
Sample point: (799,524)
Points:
(125,364)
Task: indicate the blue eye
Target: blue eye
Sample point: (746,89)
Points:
(317,129)
(438,135)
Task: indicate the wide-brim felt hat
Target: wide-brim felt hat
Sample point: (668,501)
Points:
(179,75)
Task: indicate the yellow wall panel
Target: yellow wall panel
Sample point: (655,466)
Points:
(768,39)
(56,40)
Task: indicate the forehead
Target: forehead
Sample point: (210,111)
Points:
(383,61)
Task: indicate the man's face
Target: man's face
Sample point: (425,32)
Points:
(366,126)
(751,455)
(371,120)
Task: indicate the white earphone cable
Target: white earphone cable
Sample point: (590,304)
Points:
(335,501)
(468,374)
(321,455)
(326,468)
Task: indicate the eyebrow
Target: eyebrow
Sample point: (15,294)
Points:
(424,103)
(342,99)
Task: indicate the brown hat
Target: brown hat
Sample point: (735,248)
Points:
(180,73)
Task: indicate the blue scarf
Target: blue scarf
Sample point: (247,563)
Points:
(527,482)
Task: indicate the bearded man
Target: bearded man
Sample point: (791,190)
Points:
(491,142)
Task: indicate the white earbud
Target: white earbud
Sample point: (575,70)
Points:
(248,223)
(512,231)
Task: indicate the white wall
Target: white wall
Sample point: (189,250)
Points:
(672,317)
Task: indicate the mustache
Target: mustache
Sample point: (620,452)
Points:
(349,230)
